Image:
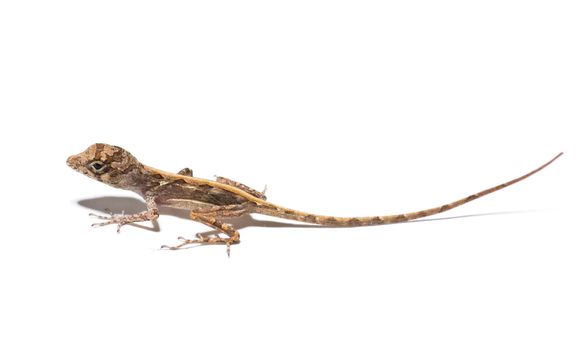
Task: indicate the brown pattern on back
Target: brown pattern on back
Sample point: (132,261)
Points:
(179,189)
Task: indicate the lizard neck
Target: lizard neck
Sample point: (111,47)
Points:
(144,180)
(136,177)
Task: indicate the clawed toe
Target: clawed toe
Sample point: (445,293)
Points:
(112,218)
(93,215)
(202,239)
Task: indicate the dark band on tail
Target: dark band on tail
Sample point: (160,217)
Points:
(273,210)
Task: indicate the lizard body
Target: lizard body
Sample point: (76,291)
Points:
(210,201)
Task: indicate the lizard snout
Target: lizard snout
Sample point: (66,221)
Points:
(73,162)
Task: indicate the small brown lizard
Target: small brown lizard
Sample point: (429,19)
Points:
(210,201)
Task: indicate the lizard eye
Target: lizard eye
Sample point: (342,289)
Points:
(97,167)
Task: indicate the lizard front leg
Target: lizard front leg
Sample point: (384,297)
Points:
(150,214)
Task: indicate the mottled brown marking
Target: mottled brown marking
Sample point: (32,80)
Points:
(472,197)
(310,218)
(179,189)
(330,220)
(376,220)
(400,218)
(354,221)
(210,200)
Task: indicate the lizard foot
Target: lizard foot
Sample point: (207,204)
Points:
(202,240)
(110,219)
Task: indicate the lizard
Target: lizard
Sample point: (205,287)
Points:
(209,202)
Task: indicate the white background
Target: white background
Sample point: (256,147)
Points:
(340,107)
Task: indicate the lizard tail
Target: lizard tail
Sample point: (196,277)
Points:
(270,209)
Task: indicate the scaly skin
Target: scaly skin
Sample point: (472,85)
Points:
(210,201)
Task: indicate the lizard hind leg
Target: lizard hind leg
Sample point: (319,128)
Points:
(233,236)
(253,192)
(209,218)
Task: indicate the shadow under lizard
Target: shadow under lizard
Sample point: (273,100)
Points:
(209,201)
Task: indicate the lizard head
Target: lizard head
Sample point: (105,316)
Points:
(108,164)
